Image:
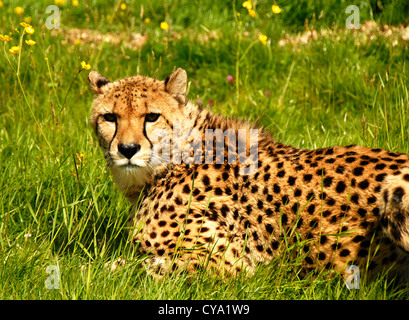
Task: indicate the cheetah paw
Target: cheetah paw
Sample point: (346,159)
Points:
(115,264)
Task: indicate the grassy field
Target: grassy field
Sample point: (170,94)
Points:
(310,81)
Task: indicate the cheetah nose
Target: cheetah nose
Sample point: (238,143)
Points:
(128,150)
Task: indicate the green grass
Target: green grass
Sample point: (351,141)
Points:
(60,208)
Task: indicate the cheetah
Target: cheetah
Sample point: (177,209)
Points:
(345,204)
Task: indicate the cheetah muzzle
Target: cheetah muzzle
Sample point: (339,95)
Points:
(341,205)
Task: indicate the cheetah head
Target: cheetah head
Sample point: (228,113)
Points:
(128,116)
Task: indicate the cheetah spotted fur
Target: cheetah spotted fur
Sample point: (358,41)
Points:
(345,205)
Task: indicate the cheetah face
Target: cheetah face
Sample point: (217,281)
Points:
(131,117)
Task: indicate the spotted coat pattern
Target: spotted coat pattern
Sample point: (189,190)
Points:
(337,205)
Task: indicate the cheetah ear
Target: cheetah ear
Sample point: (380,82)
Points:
(97,82)
(176,82)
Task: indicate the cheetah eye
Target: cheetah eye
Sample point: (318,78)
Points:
(110,117)
(152,117)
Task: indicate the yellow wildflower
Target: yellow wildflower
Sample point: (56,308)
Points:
(59,2)
(29,29)
(1,4)
(81,157)
(85,66)
(263,39)
(276,9)
(164,25)
(18,11)
(31,42)
(147,20)
(27,19)
(252,13)
(25,25)
(247,4)
(123,6)
(77,41)
(5,38)
(75,3)
(14,50)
